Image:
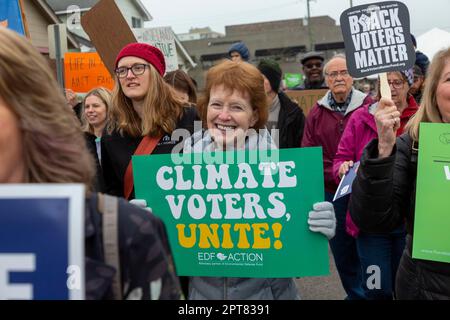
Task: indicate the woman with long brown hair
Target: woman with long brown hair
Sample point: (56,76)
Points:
(145,112)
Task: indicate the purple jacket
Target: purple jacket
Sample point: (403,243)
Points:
(361,129)
(324,128)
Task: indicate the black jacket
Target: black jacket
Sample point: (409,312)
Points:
(117,150)
(291,122)
(143,252)
(383,196)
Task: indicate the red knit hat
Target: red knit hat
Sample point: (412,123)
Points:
(144,51)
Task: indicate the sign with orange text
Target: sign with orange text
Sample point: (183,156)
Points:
(237,214)
(85,71)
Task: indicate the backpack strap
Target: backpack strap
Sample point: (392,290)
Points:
(146,146)
(109,206)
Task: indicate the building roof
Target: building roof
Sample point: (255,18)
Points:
(61,6)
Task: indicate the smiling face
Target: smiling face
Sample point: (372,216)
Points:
(313,69)
(12,168)
(95,111)
(443,93)
(134,87)
(229,116)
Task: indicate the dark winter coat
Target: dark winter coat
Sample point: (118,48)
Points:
(117,150)
(383,197)
(143,253)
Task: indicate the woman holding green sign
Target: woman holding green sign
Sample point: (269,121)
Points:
(384,191)
(235,103)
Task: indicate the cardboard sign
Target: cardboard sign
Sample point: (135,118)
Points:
(85,71)
(162,38)
(42,242)
(108,31)
(306,98)
(238,214)
(431,239)
(11,16)
(377,38)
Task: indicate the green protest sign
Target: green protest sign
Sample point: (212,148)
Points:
(432,215)
(237,214)
(293,79)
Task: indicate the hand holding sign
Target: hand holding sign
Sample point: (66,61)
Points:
(387,118)
(377,40)
(345,166)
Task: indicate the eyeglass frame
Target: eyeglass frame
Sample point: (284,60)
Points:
(145,65)
(335,74)
(398,85)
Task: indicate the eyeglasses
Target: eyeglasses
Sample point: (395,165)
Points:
(335,74)
(137,69)
(396,84)
(312,65)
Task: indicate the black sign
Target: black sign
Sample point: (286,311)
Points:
(377,38)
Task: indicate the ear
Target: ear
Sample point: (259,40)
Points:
(255,118)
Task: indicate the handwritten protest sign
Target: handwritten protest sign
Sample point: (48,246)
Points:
(86,71)
(42,242)
(377,38)
(432,219)
(243,217)
(163,39)
(306,98)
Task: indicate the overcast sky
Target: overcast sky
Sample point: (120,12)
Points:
(181,15)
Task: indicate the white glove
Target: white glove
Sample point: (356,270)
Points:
(141,203)
(323,219)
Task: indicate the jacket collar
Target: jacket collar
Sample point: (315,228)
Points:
(356,101)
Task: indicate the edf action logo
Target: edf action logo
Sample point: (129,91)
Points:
(231,258)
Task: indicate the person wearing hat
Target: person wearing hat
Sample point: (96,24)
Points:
(145,111)
(313,70)
(421,58)
(239,52)
(416,88)
(383,250)
(285,116)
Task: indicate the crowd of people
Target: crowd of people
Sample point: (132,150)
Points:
(49,138)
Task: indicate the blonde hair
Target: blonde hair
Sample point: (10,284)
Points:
(160,114)
(54,147)
(242,77)
(105,96)
(429,111)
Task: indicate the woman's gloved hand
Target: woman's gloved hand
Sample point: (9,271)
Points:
(322,219)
